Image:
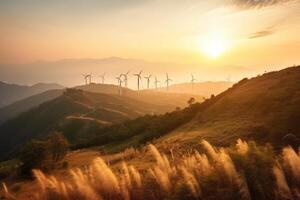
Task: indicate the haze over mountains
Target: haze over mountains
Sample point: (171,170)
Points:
(69,71)
(158,98)
(205,89)
(16,108)
(11,93)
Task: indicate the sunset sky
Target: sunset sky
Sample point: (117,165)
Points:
(229,34)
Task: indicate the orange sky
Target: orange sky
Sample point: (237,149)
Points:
(242,32)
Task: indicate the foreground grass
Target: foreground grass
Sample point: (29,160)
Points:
(243,171)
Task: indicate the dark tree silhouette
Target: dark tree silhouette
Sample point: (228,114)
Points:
(191,101)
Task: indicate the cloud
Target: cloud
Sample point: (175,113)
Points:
(259,34)
(248,4)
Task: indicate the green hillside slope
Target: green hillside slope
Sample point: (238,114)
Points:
(77,113)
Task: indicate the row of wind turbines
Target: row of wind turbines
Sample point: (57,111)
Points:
(123,79)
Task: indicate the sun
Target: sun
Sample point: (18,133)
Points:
(213,47)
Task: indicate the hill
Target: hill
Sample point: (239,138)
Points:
(11,93)
(150,96)
(265,109)
(77,113)
(14,109)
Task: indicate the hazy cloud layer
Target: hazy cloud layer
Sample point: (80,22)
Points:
(259,3)
(259,34)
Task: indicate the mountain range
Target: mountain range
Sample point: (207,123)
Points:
(78,112)
(11,93)
(13,110)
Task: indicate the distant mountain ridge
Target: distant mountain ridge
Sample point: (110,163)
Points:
(11,93)
(23,105)
(69,71)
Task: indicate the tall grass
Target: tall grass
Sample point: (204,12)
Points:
(244,171)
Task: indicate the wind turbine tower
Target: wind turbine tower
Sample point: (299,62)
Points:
(156,82)
(148,80)
(102,78)
(85,76)
(168,80)
(90,78)
(139,78)
(193,81)
(120,84)
(125,78)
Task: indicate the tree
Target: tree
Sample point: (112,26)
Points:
(43,154)
(34,155)
(191,101)
(58,146)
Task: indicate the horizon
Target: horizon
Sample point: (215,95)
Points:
(98,66)
(208,39)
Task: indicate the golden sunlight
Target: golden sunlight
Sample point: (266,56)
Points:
(214,46)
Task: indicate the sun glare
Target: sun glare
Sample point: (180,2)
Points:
(214,46)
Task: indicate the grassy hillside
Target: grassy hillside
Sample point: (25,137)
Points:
(11,93)
(265,108)
(243,171)
(77,113)
(23,105)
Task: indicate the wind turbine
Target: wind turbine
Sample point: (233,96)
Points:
(120,84)
(148,80)
(102,78)
(193,81)
(155,82)
(90,77)
(168,81)
(139,78)
(125,78)
(85,76)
